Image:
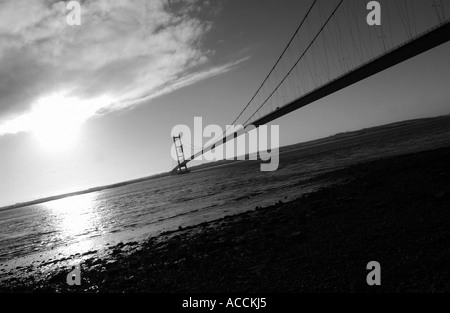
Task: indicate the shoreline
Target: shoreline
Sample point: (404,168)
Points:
(320,242)
(208,166)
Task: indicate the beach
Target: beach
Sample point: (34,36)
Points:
(249,150)
(394,211)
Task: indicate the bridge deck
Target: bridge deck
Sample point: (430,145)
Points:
(412,48)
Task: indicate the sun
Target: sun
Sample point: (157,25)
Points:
(56,122)
(55,135)
(57,119)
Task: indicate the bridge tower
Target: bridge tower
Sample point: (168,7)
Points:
(182,164)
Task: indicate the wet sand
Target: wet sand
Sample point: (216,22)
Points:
(395,211)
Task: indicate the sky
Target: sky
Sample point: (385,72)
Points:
(91,105)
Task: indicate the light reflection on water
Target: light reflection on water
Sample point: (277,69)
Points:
(74,216)
(73,221)
(88,222)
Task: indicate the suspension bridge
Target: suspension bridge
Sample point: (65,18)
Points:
(333,48)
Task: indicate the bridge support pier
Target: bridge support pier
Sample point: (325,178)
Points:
(182,164)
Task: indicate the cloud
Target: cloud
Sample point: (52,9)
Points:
(129,51)
(172,85)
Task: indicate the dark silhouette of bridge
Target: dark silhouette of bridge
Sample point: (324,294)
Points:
(333,48)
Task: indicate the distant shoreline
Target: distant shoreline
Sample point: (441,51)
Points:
(77,193)
(393,210)
(211,165)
